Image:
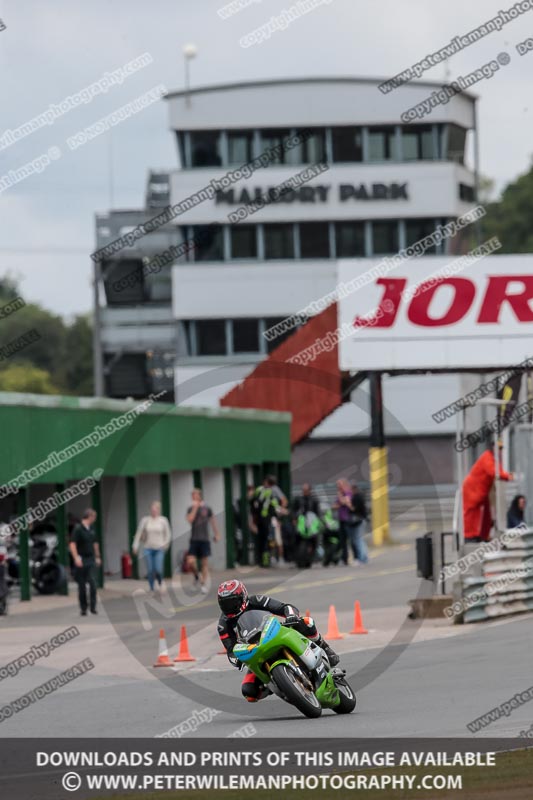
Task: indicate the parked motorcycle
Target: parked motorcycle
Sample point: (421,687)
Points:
(47,574)
(308,527)
(291,666)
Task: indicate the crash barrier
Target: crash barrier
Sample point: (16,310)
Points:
(505,583)
(184,654)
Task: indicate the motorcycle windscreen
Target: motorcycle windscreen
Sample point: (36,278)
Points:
(250,626)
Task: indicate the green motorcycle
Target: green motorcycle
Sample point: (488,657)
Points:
(291,666)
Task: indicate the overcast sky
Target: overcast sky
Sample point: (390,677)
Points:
(53,48)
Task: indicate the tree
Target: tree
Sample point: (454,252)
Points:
(26,378)
(8,288)
(510,218)
(58,362)
(78,371)
(48,352)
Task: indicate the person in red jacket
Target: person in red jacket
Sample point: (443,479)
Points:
(477,519)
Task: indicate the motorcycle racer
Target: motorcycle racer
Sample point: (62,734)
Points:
(233,600)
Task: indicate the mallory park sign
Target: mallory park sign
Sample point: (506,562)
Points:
(315,194)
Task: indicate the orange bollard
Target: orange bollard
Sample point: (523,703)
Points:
(184,654)
(332,632)
(163,659)
(358,626)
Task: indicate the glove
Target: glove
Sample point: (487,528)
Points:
(292,619)
(234,661)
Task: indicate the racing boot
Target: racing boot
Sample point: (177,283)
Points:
(333,657)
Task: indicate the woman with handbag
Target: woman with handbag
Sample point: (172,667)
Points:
(351,521)
(359,515)
(155,535)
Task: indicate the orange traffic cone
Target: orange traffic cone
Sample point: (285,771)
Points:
(163,659)
(358,626)
(184,654)
(307,612)
(333,629)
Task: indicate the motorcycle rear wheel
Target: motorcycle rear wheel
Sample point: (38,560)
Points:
(296,693)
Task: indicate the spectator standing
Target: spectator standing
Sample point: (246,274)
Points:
(239,520)
(306,501)
(350,522)
(358,522)
(155,536)
(267,501)
(200,516)
(85,552)
(342,505)
(515,514)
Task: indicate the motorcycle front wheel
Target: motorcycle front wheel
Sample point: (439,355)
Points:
(293,688)
(347,697)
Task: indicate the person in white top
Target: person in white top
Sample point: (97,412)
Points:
(155,535)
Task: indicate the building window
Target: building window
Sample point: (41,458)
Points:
(245,336)
(205,149)
(181,148)
(350,239)
(314,240)
(209,245)
(456,144)
(279,241)
(467,193)
(417,229)
(313,149)
(243,241)
(211,337)
(275,138)
(186,339)
(417,143)
(347,144)
(385,238)
(382,144)
(239,147)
